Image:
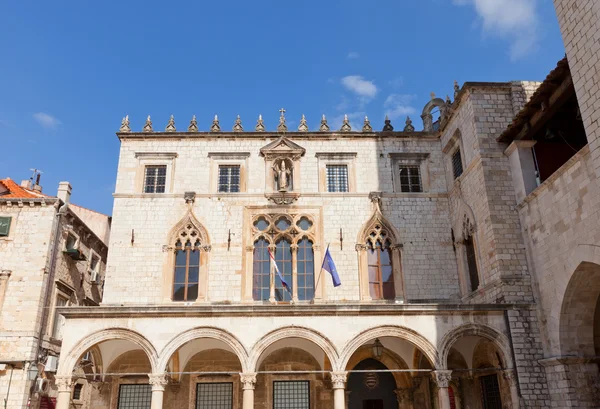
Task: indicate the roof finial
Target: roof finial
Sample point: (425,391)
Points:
(125,125)
(367,125)
(237,127)
(409,126)
(148,125)
(388,125)
(260,124)
(346,124)
(324,127)
(171,125)
(282,127)
(456,89)
(303,127)
(215,127)
(193,125)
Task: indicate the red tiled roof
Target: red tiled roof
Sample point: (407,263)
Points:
(17,192)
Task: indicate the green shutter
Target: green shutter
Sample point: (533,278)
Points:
(4,226)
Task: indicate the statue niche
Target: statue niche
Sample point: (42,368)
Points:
(283,174)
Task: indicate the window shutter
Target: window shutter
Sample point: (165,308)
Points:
(4,226)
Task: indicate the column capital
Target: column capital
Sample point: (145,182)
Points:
(442,378)
(404,395)
(338,379)
(63,383)
(248,380)
(158,381)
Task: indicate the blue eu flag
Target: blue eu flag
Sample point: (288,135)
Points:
(329,266)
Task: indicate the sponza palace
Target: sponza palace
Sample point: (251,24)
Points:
(468,255)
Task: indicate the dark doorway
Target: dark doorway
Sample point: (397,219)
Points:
(373,404)
(490,392)
(371,390)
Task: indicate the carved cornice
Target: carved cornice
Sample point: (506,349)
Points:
(281,198)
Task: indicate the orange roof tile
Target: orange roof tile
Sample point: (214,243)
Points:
(17,192)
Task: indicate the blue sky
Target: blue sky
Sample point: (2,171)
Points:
(70,70)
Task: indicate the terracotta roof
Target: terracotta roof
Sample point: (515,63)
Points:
(17,192)
(556,76)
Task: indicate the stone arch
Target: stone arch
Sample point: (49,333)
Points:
(189,220)
(70,359)
(579,329)
(477,330)
(404,333)
(203,332)
(292,332)
(465,224)
(428,109)
(378,219)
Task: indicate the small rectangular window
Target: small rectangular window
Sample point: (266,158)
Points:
(77,389)
(95,264)
(59,320)
(410,179)
(214,395)
(291,395)
(5,226)
(71,243)
(229,178)
(337,178)
(457,167)
(155,179)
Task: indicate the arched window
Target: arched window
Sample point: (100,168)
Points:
(283,258)
(381,272)
(187,270)
(379,259)
(306,269)
(261,271)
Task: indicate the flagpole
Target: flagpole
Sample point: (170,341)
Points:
(321,272)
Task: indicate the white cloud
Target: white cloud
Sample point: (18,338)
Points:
(360,86)
(399,105)
(46,120)
(353,55)
(516,20)
(397,82)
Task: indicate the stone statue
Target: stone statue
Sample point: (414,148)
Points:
(283,174)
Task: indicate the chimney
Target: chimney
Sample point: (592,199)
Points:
(64,191)
(26,184)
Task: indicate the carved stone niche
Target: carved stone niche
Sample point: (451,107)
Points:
(282,167)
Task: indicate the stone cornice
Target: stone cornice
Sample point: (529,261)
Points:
(235,196)
(250,309)
(433,136)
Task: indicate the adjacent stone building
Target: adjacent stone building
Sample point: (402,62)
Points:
(52,254)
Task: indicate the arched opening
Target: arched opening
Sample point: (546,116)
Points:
(371,389)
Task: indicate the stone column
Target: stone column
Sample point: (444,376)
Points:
(442,378)
(338,381)
(248,383)
(4,276)
(158,382)
(272,273)
(63,384)
(294,249)
(405,398)
(427,122)
(511,378)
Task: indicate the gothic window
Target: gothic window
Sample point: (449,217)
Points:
(290,238)
(472,263)
(155,179)
(381,276)
(457,167)
(410,178)
(229,179)
(337,178)
(187,269)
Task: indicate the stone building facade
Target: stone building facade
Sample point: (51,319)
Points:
(52,253)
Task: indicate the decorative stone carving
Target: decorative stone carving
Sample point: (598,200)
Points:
(360,247)
(125,125)
(158,381)
(282,127)
(404,395)
(190,197)
(148,125)
(375,198)
(510,376)
(346,125)
(248,380)
(237,127)
(193,127)
(338,379)
(171,125)
(260,124)
(283,175)
(409,126)
(324,127)
(468,227)
(63,383)
(371,379)
(303,127)
(282,198)
(215,127)
(442,378)
(456,89)
(367,125)
(388,125)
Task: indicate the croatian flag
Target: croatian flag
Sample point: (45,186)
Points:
(274,264)
(329,266)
